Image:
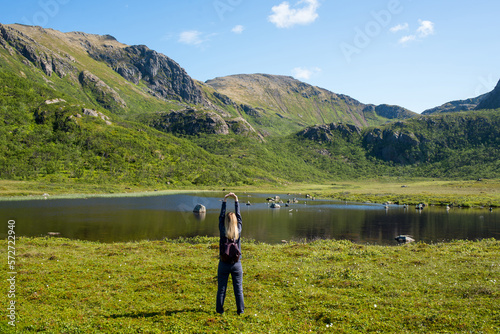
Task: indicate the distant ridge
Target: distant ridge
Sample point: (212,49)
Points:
(306,104)
(491,100)
(456,106)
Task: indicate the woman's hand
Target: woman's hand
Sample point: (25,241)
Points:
(233,195)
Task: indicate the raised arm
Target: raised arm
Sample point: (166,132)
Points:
(222,212)
(237,212)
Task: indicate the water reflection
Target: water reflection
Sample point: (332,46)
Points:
(171,216)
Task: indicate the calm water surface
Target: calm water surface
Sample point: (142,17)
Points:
(171,216)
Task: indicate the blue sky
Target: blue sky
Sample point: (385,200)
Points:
(414,53)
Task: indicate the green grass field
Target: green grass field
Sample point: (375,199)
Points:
(432,192)
(326,286)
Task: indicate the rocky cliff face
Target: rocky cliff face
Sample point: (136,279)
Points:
(193,122)
(36,54)
(326,133)
(165,78)
(394,145)
(190,122)
(105,95)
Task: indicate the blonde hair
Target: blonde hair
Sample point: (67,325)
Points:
(231,225)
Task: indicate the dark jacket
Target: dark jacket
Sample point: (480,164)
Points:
(222,228)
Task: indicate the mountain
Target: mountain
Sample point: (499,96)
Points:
(489,100)
(76,56)
(128,80)
(135,80)
(298,104)
(82,108)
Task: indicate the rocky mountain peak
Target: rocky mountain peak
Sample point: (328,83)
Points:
(491,100)
(165,78)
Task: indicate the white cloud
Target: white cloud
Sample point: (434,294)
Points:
(195,38)
(399,27)
(425,29)
(191,37)
(406,39)
(238,29)
(304,73)
(285,17)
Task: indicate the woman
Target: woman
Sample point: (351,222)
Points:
(230,228)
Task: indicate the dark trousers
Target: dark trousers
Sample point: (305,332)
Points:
(236,272)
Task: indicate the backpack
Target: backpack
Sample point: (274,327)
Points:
(230,252)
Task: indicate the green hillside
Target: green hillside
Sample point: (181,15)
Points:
(461,145)
(62,141)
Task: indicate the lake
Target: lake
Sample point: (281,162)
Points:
(115,219)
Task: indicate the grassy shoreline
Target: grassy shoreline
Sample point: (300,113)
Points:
(326,286)
(431,192)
